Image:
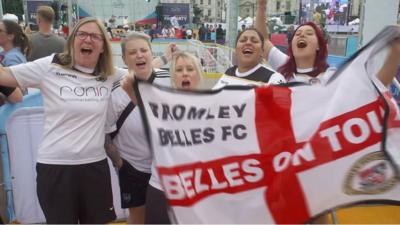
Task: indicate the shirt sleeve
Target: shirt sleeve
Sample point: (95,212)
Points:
(277,78)
(31,74)
(276,58)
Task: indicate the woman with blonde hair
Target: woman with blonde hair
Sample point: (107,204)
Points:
(126,144)
(186,72)
(73,177)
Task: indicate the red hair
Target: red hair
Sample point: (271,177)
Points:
(320,64)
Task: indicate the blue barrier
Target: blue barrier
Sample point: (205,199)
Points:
(31,100)
(352,45)
(336,61)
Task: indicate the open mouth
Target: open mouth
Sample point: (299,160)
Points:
(185,84)
(86,51)
(302,44)
(247,51)
(139,64)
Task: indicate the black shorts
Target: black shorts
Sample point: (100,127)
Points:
(133,184)
(156,207)
(69,194)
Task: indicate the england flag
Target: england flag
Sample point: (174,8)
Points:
(277,154)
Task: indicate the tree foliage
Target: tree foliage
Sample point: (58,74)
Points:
(13,6)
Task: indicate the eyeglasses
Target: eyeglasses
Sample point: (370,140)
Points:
(82,35)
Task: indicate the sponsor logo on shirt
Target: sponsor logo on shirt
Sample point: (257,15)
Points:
(66,75)
(82,93)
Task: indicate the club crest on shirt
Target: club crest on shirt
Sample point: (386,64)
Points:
(371,174)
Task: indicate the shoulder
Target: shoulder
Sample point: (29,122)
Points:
(266,68)
(329,72)
(160,73)
(14,57)
(231,71)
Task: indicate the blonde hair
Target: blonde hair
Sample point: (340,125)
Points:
(105,66)
(192,58)
(135,36)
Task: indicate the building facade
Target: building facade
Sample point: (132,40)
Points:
(213,11)
(248,8)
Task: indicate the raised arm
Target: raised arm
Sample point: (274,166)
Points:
(391,65)
(167,57)
(261,17)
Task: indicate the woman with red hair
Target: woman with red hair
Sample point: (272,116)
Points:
(307,54)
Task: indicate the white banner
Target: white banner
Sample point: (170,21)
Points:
(277,154)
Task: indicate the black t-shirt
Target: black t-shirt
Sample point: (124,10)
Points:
(262,74)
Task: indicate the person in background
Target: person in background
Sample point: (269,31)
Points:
(11,17)
(126,144)
(45,42)
(208,32)
(16,46)
(249,53)
(220,35)
(171,32)
(202,32)
(289,34)
(243,27)
(73,176)
(165,32)
(153,32)
(189,33)
(184,34)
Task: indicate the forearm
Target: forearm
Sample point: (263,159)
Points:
(16,96)
(261,18)
(112,152)
(390,67)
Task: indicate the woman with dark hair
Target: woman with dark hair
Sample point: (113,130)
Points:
(16,47)
(249,53)
(15,43)
(307,60)
(307,54)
